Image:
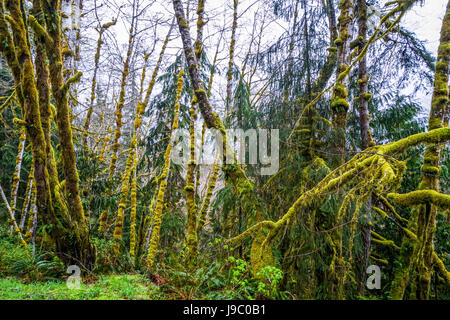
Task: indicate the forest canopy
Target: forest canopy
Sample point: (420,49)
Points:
(193,149)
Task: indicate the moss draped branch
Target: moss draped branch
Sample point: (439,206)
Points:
(418,197)
(376,167)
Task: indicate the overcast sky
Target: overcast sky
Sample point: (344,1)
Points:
(426,22)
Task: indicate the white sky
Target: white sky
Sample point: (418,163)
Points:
(426,22)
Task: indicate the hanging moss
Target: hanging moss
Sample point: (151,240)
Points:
(363,169)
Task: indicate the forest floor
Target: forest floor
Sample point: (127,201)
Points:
(113,287)
(41,275)
(28,273)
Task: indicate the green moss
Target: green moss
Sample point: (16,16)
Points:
(441,66)
(183,22)
(367,96)
(340,103)
(19,122)
(343,68)
(442,100)
(429,169)
(420,197)
(382,213)
(440,90)
(340,91)
(338,42)
(343,74)
(383,261)
(434,123)
(430,158)
(357,42)
(115,287)
(444,48)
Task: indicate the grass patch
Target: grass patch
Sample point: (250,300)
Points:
(113,287)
